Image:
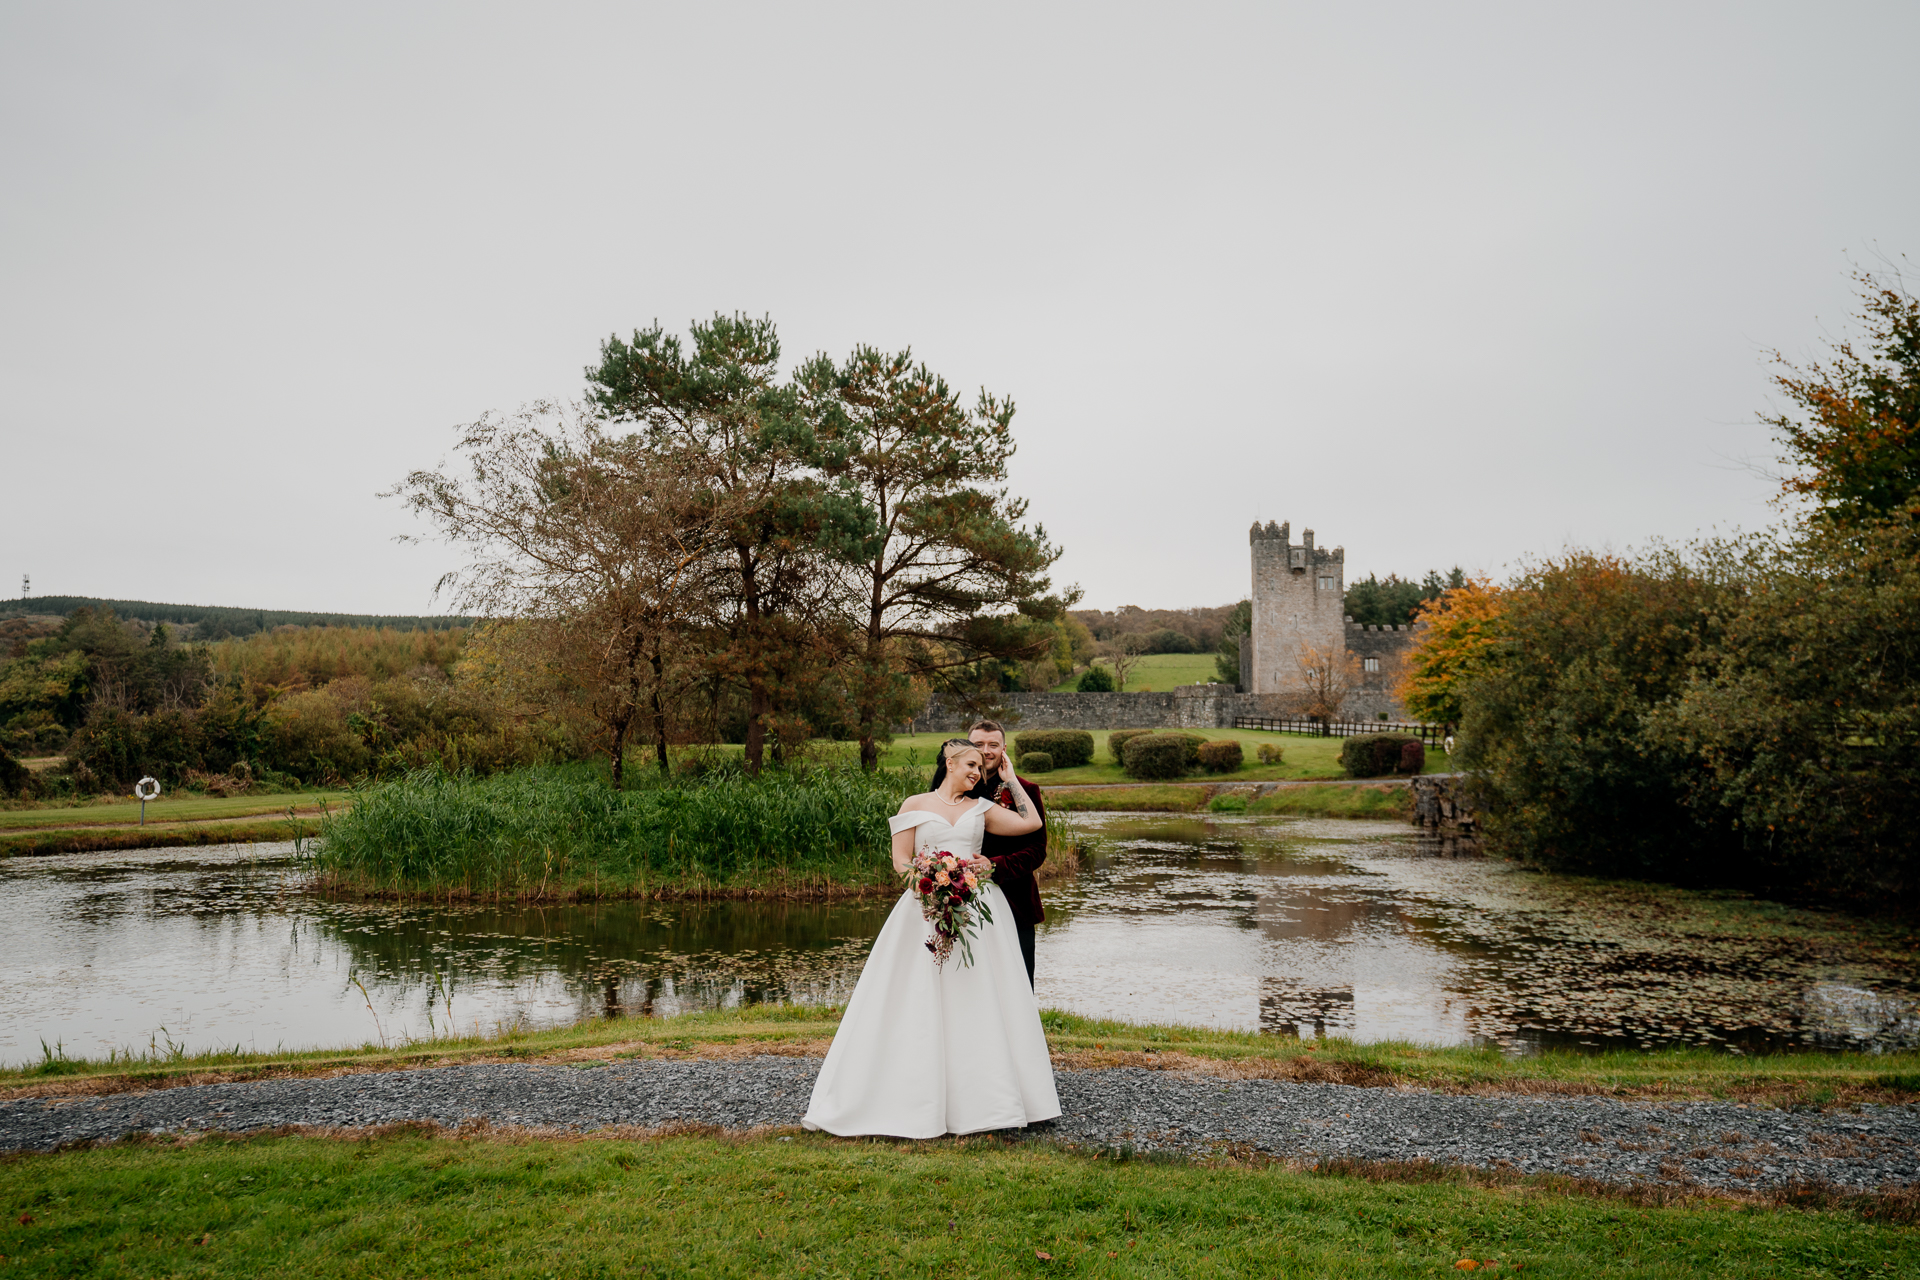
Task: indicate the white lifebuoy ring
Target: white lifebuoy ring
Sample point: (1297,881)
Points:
(147,789)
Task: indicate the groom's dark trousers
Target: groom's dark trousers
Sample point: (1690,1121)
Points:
(1015,859)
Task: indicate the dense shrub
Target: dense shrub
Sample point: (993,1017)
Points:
(1036,762)
(15,778)
(1070,748)
(1413,758)
(1095,679)
(1373,755)
(1159,755)
(1194,742)
(1117,742)
(1558,726)
(1167,640)
(1270,753)
(1221,757)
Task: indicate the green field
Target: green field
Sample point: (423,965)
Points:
(408,1202)
(1160,672)
(1307,758)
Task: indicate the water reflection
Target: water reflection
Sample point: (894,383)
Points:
(1312,928)
(1292,927)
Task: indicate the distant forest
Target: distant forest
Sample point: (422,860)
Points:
(215,622)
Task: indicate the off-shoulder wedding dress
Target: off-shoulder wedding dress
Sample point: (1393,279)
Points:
(925,1051)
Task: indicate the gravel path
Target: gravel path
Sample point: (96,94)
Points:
(1714,1144)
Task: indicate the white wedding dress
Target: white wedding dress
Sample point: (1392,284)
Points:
(925,1051)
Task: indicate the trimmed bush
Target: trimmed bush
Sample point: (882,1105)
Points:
(1221,757)
(1194,742)
(1270,753)
(1373,755)
(1117,742)
(1413,757)
(1036,762)
(1070,748)
(1096,679)
(1159,755)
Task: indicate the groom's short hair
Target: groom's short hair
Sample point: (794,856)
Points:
(986,726)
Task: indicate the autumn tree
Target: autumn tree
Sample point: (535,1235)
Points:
(721,398)
(1454,637)
(1321,680)
(1856,450)
(940,574)
(1123,654)
(607,549)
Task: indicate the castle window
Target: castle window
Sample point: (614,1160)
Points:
(1370,664)
(1326,584)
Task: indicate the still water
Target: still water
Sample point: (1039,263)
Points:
(1293,927)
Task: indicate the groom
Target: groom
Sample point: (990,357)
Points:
(1014,858)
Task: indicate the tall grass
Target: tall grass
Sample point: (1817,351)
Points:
(563,832)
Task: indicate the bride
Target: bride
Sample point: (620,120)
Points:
(922,1050)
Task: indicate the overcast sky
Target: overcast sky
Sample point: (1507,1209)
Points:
(1450,284)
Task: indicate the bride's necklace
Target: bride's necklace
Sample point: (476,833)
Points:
(954,803)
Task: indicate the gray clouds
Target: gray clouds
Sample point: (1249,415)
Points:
(1445,283)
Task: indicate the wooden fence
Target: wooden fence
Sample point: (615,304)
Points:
(1432,735)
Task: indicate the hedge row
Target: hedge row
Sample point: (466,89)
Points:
(1373,755)
(1069,748)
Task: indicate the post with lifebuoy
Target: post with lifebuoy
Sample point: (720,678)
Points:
(144,790)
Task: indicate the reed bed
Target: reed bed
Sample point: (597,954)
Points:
(562,832)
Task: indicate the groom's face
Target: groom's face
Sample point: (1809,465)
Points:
(993,750)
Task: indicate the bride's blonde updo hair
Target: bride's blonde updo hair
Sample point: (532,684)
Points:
(948,749)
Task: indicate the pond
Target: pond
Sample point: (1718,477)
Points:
(1293,927)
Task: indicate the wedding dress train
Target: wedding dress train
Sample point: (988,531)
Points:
(925,1051)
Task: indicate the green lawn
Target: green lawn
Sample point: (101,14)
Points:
(1306,758)
(408,1203)
(183,807)
(1160,672)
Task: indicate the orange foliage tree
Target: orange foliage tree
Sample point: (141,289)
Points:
(1454,640)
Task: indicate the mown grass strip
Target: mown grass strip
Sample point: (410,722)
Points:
(412,1203)
(177,807)
(1798,1079)
(1145,799)
(101,839)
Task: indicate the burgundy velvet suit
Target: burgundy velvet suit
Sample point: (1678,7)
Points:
(1016,858)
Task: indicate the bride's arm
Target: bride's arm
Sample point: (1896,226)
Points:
(1020,819)
(903,850)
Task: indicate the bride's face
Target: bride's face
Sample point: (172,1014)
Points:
(964,767)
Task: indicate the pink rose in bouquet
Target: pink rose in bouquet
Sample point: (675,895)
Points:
(950,900)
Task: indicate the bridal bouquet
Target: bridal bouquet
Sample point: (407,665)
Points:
(952,900)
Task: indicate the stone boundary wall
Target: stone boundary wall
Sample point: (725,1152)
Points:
(1192,706)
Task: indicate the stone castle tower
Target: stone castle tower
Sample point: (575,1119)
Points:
(1299,594)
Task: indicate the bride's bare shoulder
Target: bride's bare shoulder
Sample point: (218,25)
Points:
(922,802)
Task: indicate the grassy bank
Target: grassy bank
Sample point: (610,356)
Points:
(151,836)
(1361,800)
(172,822)
(1306,758)
(563,833)
(408,1202)
(1798,1079)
